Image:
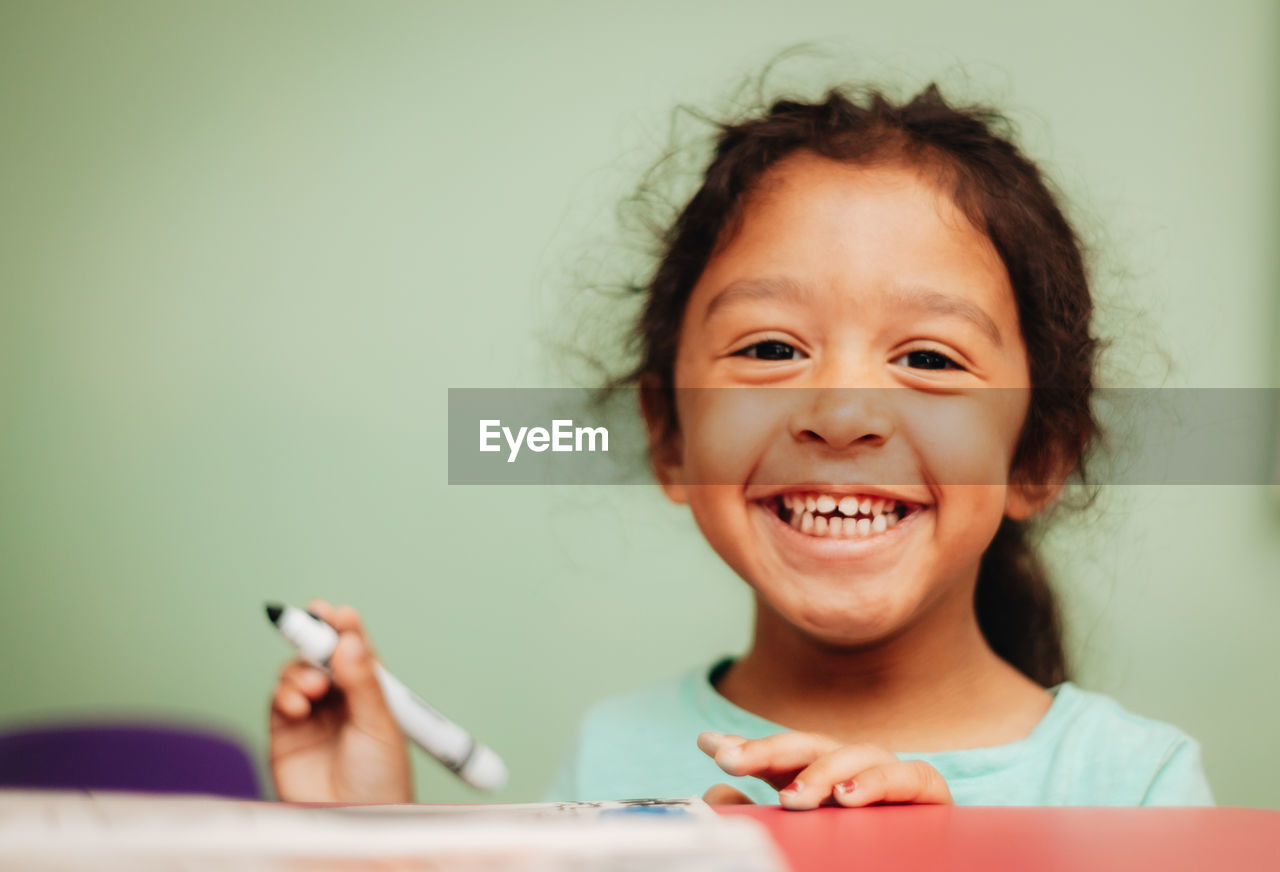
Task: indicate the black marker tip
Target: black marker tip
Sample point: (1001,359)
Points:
(274,611)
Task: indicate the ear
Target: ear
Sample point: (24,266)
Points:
(666,448)
(1027,498)
(1024,500)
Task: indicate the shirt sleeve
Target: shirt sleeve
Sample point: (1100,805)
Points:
(1180,780)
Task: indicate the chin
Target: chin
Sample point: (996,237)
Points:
(856,621)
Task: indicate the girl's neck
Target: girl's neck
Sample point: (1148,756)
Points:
(935,686)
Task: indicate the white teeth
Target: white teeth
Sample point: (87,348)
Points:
(846,505)
(875,514)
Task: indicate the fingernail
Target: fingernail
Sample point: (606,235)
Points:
(355,646)
(730,759)
(847,786)
(793,787)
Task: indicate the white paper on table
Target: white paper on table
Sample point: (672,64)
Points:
(41,830)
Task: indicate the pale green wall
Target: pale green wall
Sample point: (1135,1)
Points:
(245,248)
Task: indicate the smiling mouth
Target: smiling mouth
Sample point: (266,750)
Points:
(846,516)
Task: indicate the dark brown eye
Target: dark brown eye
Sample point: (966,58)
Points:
(770,349)
(923,359)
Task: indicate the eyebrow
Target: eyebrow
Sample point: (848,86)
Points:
(930,300)
(919,297)
(772,288)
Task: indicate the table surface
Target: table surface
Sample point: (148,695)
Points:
(73,824)
(907,838)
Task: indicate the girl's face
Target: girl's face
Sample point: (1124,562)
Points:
(862,502)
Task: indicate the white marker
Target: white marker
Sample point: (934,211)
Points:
(440,737)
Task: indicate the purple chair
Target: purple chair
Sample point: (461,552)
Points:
(126,756)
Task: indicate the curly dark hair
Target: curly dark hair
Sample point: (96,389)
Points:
(965,153)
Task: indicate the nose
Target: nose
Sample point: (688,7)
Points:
(843,417)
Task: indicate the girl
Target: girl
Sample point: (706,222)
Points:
(908,271)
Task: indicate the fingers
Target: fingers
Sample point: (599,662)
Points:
(723,794)
(289,704)
(352,671)
(899,781)
(710,743)
(774,758)
(310,680)
(353,666)
(811,770)
(321,609)
(341,618)
(346,619)
(299,685)
(814,783)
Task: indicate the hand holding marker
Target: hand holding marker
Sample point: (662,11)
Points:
(440,737)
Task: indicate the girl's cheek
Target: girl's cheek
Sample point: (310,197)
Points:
(964,439)
(727,430)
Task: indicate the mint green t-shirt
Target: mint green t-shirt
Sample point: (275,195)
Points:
(1086,750)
